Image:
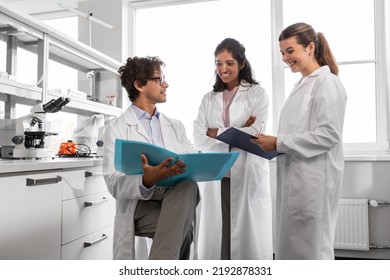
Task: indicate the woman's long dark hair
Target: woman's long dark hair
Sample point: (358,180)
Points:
(238,52)
(305,34)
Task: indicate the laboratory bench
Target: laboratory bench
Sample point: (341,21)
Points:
(28,165)
(56,208)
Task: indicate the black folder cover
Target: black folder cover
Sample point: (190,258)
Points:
(240,139)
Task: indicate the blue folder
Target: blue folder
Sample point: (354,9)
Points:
(240,139)
(201,167)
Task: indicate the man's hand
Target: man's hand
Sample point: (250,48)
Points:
(153,174)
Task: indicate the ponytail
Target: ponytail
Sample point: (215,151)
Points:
(324,55)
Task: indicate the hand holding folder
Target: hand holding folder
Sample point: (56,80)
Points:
(240,139)
(200,166)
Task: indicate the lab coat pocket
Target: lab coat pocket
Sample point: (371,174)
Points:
(259,179)
(306,185)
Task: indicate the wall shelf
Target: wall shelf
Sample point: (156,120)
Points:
(80,104)
(20,90)
(95,72)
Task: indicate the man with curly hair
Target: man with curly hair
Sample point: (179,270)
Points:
(142,207)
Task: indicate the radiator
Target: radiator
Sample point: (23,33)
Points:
(352,225)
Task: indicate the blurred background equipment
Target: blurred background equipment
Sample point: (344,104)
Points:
(86,131)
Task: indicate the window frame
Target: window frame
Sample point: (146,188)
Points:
(382,63)
(381,146)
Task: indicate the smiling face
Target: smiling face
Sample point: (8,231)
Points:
(227,69)
(155,91)
(152,93)
(297,57)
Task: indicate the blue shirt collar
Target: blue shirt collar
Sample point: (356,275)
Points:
(141,114)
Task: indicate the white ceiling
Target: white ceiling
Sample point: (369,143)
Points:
(33,7)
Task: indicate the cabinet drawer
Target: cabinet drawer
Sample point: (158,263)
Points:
(95,246)
(83,182)
(30,216)
(86,214)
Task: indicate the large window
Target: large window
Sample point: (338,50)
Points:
(188,51)
(353,42)
(357,45)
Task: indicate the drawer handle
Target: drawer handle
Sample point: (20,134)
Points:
(89,174)
(92,203)
(89,244)
(36,182)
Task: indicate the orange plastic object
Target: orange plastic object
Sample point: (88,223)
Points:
(68,148)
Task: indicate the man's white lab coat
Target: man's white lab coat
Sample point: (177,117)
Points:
(125,188)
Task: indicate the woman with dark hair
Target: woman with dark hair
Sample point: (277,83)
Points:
(310,172)
(237,211)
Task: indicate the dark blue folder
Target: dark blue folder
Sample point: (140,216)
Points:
(240,139)
(201,167)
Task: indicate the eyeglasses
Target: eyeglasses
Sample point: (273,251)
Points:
(161,79)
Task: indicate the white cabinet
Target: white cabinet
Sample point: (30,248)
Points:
(63,214)
(30,216)
(88,211)
(95,246)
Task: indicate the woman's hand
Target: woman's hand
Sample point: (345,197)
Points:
(251,120)
(153,174)
(212,132)
(266,142)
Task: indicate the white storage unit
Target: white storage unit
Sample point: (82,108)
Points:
(56,212)
(88,211)
(30,216)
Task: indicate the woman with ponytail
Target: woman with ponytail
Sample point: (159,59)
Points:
(310,168)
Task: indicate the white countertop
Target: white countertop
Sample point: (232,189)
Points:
(24,165)
(350,157)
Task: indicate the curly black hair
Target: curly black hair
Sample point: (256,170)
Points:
(138,69)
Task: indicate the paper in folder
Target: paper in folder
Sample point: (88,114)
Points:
(240,139)
(201,167)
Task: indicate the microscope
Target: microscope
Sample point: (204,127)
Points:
(29,131)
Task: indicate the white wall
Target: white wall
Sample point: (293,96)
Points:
(370,180)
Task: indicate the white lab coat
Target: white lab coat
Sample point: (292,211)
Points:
(309,174)
(251,209)
(125,188)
